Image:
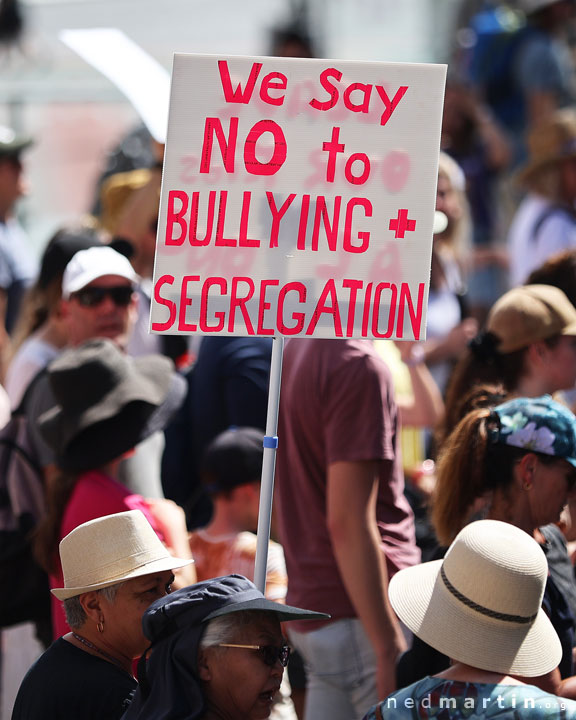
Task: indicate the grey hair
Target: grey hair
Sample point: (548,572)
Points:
(223,629)
(75,613)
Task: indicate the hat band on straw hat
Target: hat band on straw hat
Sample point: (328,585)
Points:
(128,565)
(523,619)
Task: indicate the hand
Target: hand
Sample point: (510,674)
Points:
(171,521)
(170,518)
(458,338)
(405,348)
(386,674)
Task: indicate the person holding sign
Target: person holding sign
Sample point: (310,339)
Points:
(343,519)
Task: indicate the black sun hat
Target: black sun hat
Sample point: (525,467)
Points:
(107,403)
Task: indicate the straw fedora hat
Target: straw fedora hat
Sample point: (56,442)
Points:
(107,403)
(550,142)
(109,550)
(481,605)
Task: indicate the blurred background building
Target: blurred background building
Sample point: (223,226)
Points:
(78,116)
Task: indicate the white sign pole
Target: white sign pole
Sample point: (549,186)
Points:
(268,465)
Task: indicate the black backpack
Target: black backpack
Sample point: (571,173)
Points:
(25,595)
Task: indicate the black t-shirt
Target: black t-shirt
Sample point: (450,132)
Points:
(67,683)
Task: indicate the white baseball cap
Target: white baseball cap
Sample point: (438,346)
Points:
(91,264)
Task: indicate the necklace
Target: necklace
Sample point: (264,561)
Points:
(104,654)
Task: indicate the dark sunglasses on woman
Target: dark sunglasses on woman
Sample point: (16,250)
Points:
(270,654)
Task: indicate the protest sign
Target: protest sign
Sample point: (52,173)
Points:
(297,198)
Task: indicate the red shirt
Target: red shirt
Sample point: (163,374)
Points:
(95,495)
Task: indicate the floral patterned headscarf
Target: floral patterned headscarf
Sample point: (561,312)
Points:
(538,424)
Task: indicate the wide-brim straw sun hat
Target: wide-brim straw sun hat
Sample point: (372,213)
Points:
(550,142)
(528,314)
(481,605)
(107,403)
(110,550)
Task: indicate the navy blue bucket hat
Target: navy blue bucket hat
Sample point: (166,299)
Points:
(169,686)
(199,603)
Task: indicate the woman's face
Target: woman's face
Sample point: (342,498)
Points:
(552,483)
(561,364)
(122,618)
(237,682)
(448,202)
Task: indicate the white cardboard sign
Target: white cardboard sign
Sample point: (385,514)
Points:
(297,198)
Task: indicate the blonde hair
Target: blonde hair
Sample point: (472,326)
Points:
(459,243)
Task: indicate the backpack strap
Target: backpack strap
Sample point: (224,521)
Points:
(547,213)
(22,405)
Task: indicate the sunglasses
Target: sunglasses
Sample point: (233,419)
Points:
(270,654)
(94,295)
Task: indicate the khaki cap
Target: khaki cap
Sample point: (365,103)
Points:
(528,314)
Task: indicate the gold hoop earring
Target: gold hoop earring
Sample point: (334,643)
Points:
(527,486)
(100,626)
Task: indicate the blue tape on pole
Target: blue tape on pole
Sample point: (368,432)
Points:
(270,441)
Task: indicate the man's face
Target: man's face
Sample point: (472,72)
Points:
(95,313)
(12,184)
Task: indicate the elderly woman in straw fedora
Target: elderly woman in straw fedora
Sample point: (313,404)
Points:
(114,567)
(545,222)
(108,402)
(481,606)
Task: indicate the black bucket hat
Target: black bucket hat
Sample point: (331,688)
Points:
(107,403)
(169,686)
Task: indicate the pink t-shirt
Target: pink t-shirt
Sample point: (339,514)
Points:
(95,495)
(337,404)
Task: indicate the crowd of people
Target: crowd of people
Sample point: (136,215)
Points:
(424,510)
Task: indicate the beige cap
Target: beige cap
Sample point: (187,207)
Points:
(109,550)
(528,314)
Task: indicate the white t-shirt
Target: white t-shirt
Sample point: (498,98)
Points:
(32,356)
(539,230)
